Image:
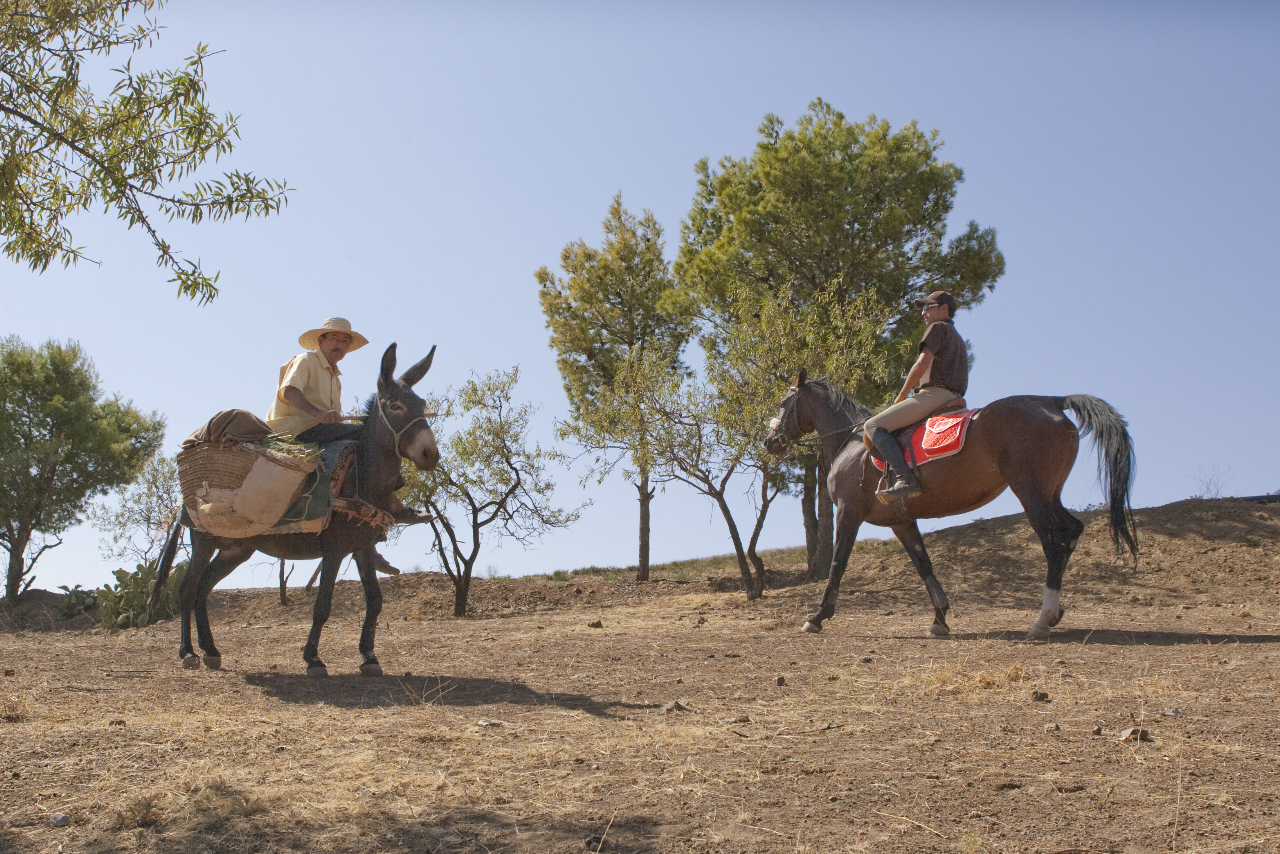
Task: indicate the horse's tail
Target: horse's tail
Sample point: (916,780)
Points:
(1115,462)
(166,564)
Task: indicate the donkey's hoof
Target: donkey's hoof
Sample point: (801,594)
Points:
(371,668)
(938,630)
(213,662)
(318,671)
(191,662)
(810,627)
(1058,619)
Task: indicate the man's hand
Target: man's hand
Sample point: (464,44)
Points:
(329,416)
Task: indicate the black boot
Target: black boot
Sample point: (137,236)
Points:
(887,451)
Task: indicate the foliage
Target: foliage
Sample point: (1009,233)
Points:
(60,445)
(489,477)
(616,304)
(139,523)
(124,604)
(66,150)
(838,207)
(76,601)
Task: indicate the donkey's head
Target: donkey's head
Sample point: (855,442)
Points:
(403,414)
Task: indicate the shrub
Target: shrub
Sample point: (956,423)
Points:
(124,605)
(76,602)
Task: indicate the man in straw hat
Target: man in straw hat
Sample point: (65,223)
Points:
(308,404)
(942,369)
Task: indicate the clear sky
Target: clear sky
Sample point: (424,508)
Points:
(441,153)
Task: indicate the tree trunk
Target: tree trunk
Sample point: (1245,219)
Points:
(826,521)
(766,500)
(461,587)
(17,565)
(646,496)
(284,583)
(808,509)
(755,588)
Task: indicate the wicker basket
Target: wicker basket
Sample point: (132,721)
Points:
(212,466)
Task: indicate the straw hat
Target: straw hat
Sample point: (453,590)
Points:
(311,338)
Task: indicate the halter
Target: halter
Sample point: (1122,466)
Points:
(789,411)
(377,399)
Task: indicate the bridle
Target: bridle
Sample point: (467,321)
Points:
(789,412)
(398,433)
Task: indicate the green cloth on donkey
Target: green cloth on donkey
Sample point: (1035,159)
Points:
(310,512)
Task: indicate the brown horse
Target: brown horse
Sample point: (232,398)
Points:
(1025,443)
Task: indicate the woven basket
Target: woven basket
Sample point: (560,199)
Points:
(226,467)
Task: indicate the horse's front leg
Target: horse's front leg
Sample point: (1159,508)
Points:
(846,533)
(908,533)
(372,608)
(329,566)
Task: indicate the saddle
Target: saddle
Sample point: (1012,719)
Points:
(940,435)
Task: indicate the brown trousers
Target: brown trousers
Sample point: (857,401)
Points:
(918,407)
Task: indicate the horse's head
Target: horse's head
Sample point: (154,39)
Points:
(789,424)
(403,413)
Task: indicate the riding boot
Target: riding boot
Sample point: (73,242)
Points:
(887,451)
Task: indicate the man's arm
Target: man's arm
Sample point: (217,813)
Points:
(918,370)
(294,397)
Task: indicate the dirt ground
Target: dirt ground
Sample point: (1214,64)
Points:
(691,721)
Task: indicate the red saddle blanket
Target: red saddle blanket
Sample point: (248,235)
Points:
(940,436)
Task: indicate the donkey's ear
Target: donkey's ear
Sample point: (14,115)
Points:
(801,380)
(386,376)
(419,370)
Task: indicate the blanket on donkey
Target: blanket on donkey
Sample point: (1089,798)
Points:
(939,436)
(310,512)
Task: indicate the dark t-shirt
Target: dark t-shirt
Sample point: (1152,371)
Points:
(950,367)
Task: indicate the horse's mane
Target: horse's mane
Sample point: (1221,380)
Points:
(842,402)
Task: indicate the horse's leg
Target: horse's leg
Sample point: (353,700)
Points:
(219,568)
(372,608)
(202,551)
(1058,531)
(329,566)
(847,524)
(908,533)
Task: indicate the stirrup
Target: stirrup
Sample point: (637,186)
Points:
(900,488)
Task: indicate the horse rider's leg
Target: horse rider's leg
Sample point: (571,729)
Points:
(908,533)
(1058,531)
(202,551)
(847,524)
(329,566)
(219,568)
(372,608)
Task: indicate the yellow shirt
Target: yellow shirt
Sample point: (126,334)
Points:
(318,381)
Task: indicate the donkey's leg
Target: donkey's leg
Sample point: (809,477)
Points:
(219,568)
(847,524)
(329,566)
(908,533)
(372,608)
(1058,531)
(202,551)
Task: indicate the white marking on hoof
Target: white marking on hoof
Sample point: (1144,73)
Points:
(1040,628)
(371,669)
(937,630)
(213,662)
(191,662)
(810,628)
(317,672)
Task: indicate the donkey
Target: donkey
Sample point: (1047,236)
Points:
(1024,443)
(396,426)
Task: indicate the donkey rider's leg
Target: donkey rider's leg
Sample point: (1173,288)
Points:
(366,563)
(908,533)
(847,524)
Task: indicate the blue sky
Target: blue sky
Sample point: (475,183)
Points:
(440,155)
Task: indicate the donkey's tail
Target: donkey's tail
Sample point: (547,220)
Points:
(1115,462)
(166,564)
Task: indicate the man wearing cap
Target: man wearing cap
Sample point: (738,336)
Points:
(942,370)
(308,402)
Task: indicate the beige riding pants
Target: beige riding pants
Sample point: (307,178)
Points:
(918,407)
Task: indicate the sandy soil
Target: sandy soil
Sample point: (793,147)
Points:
(691,721)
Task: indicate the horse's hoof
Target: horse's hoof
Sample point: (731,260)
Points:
(371,668)
(937,630)
(213,662)
(191,662)
(318,671)
(1058,619)
(810,627)
(1038,633)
